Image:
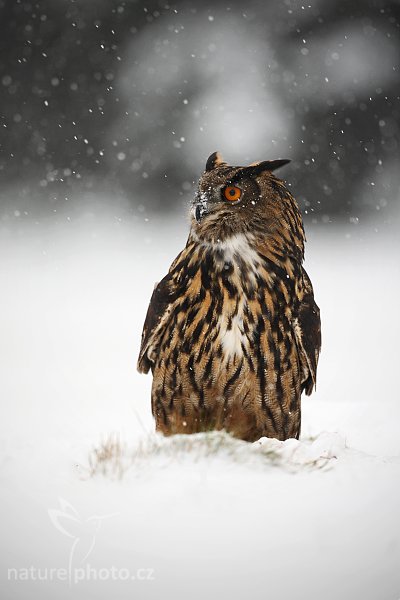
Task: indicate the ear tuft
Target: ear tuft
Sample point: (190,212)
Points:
(214,160)
(277,164)
(267,165)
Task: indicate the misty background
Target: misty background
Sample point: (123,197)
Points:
(120,103)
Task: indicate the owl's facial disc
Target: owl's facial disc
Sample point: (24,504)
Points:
(209,200)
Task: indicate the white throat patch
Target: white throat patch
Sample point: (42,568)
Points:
(240,246)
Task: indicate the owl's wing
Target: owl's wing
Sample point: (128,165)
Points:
(158,312)
(307,328)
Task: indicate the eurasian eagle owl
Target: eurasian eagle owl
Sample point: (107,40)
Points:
(232,333)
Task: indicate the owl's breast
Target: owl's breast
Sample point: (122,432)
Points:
(226,303)
(237,279)
(232,331)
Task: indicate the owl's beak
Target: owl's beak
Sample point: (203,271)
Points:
(198,212)
(200,207)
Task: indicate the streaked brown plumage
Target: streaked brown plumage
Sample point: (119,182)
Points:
(232,333)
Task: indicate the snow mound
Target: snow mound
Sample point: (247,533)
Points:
(316,452)
(114,458)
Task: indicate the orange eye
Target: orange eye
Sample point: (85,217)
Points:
(232,193)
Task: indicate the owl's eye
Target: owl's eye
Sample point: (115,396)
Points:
(232,193)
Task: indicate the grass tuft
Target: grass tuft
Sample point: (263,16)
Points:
(114,458)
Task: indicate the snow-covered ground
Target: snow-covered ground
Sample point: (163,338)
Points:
(210,517)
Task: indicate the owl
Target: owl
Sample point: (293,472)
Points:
(232,333)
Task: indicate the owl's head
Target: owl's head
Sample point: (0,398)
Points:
(234,200)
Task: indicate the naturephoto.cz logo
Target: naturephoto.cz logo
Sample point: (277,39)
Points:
(78,574)
(83,533)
